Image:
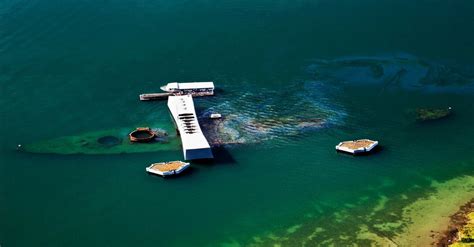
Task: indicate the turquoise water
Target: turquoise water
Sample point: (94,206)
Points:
(359,67)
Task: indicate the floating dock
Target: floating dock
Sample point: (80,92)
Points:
(195,145)
(357,146)
(167,168)
(154,96)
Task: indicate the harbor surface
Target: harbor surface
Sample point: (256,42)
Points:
(294,79)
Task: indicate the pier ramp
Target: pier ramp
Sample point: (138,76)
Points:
(195,145)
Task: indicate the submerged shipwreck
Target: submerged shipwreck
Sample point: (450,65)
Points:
(431,114)
(142,134)
(112,141)
(231,122)
(237,122)
(143,139)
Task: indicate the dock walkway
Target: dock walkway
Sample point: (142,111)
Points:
(154,96)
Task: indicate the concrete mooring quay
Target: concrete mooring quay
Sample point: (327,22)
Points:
(154,96)
(195,145)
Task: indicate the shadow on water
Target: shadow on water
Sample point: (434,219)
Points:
(219,91)
(221,157)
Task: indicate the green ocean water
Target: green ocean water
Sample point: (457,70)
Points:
(360,67)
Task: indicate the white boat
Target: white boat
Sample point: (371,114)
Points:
(193,88)
(167,168)
(215,116)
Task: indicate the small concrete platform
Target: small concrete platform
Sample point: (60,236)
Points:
(167,168)
(357,146)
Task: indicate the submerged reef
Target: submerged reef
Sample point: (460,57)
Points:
(400,72)
(416,218)
(113,141)
(230,130)
(460,231)
(431,114)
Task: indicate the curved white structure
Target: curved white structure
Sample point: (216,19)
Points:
(195,145)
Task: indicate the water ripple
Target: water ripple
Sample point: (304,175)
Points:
(263,114)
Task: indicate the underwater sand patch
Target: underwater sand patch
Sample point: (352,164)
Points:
(429,216)
(419,222)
